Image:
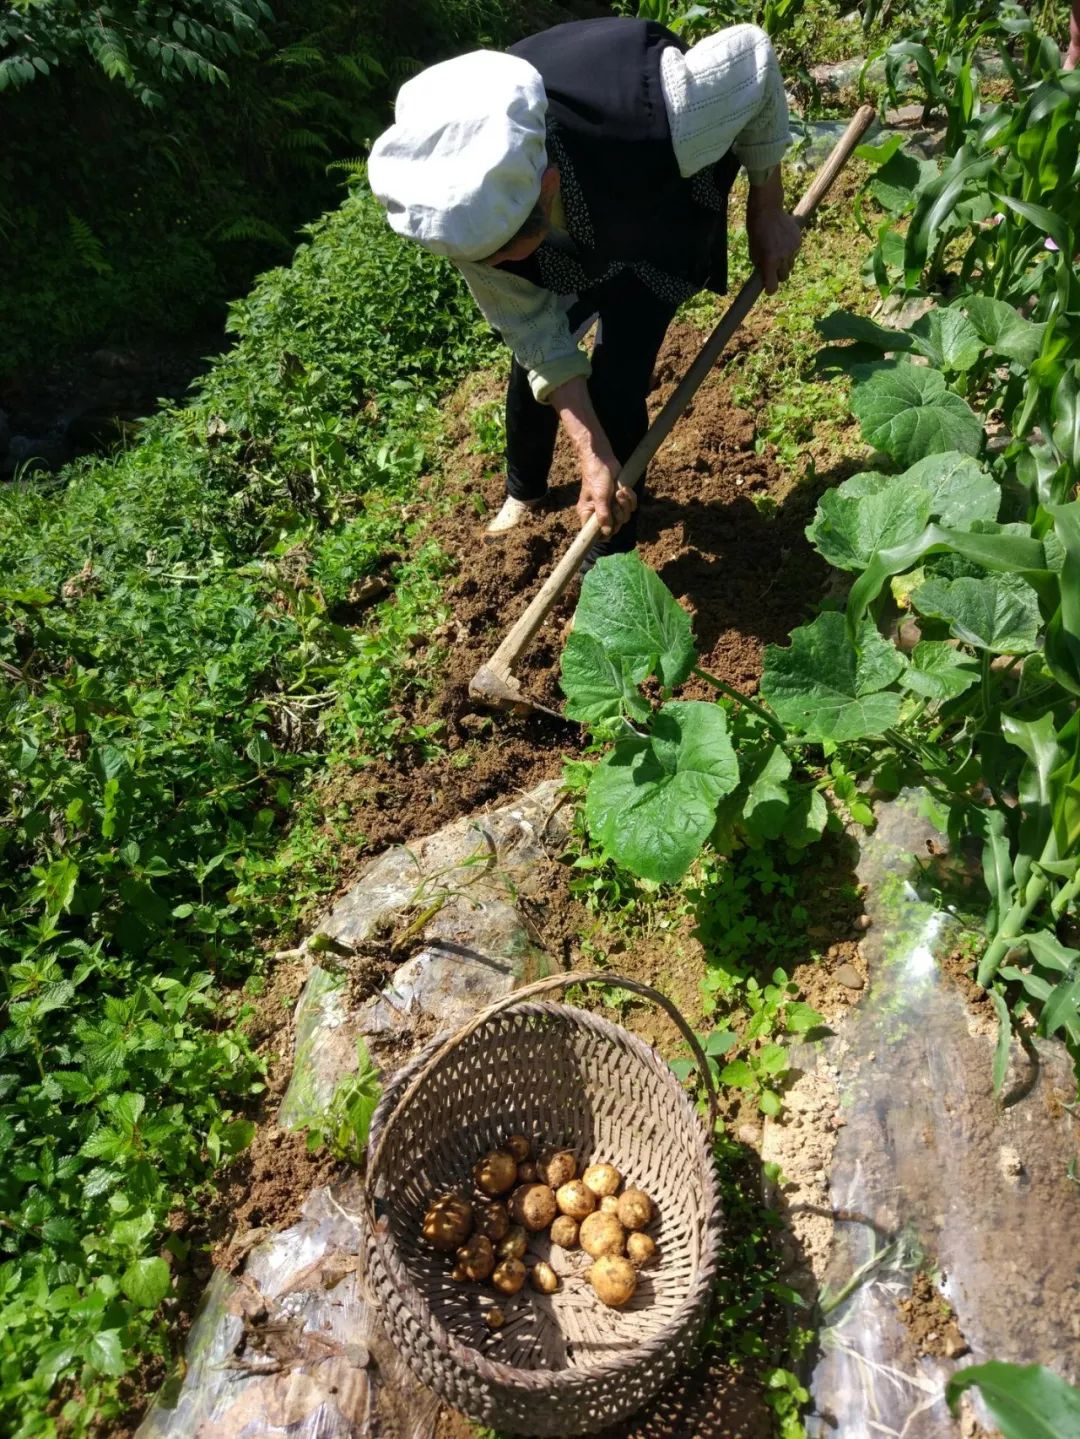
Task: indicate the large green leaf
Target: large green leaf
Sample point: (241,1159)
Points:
(825,688)
(872,511)
(853,522)
(629,610)
(936,206)
(1024,1401)
(765,810)
(947,338)
(907,411)
(652,801)
(960,490)
(597,685)
(999,613)
(939,671)
(1003,330)
(844,325)
(897,181)
(994,547)
(1061,997)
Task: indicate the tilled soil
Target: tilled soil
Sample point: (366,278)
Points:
(722,526)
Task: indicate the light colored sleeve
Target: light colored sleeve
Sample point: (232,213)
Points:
(532,322)
(726,92)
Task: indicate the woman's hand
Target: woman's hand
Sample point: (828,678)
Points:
(773,234)
(601,493)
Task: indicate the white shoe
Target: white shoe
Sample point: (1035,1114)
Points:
(511,515)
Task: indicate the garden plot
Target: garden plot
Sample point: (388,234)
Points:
(896,1162)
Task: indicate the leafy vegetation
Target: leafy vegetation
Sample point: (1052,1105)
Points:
(1025,1401)
(175,672)
(207,133)
(970,549)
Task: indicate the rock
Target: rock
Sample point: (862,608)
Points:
(849,977)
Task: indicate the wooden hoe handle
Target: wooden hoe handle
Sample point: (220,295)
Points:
(492,681)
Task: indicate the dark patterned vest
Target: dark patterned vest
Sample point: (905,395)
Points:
(626,203)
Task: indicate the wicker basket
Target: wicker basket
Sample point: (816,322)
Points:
(561,1364)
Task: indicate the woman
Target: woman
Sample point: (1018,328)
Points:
(585,174)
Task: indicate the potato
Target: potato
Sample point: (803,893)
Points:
(564,1232)
(609,1204)
(458,1275)
(494,1318)
(602,1179)
(640,1249)
(509,1276)
(495,1172)
(556,1167)
(448,1223)
(543,1278)
(518,1146)
(491,1218)
(601,1234)
(514,1245)
(527,1173)
(533,1205)
(635,1209)
(614,1280)
(574,1199)
(476,1259)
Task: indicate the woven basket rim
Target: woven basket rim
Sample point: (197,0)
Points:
(495,1371)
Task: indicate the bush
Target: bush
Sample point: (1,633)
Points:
(171,681)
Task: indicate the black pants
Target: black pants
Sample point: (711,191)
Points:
(633,322)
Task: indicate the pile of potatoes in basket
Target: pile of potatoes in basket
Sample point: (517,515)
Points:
(517,1197)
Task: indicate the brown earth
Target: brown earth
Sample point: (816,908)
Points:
(742,568)
(930,1321)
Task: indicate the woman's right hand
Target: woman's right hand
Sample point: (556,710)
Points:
(601,493)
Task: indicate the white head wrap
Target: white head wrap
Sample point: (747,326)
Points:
(459,170)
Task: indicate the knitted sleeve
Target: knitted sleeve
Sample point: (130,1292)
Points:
(532,322)
(726,91)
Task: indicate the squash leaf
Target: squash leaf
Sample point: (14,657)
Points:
(632,614)
(907,411)
(652,801)
(825,688)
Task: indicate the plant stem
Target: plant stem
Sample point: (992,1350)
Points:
(725,689)
(1065,895)
(1012,925)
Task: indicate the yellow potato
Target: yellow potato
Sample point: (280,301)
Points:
(533,1205)
(614,1280)
(609,1204)
(476,1259)
(526,1172)
(564,1232)
(602,1179)
(518,1146)
(514,1245)
(448,1223)
(509,1276)
(574,1199)
(494,1318)
(601,1234)
(556,1167)
(640,1250)
(543,1278)
(491,1218)
(635,1209)
(495,1172)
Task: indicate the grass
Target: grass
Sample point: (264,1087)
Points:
(182,663)
(808,424)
